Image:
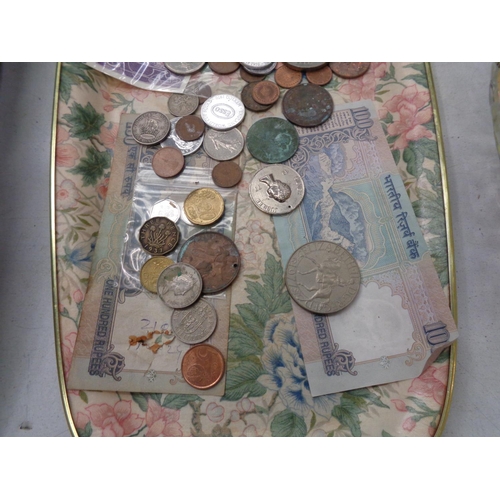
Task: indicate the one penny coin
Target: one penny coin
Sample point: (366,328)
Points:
(287,77)
(321,76)
(266,92)
(227,174)
(151,270)
(224,68)
(158,236)
(167,162)
(307,105)
(349,69)
(203,366)
(249,77)
(190,128)
(249,102)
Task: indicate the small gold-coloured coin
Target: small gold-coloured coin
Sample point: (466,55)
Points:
(150,271)
(204,206)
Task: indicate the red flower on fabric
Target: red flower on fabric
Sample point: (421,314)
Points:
(431,384)
(117,420)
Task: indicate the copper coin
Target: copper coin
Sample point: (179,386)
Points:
(287,77)
(349,69)
(167,162)
(249,102)
(307,105)
(321,76)
(203,366)
(248,77)
(266,92)
(215,257)
(158,236)
(190,128)
(227,174)
(224,68)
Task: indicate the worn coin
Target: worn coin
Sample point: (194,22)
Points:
(248,100)
(195,323)
(216,258)
(249,77)
(224,68)
(150,128)
(266,92)
(304,66)
(287,77)
(223,145)
(166,208)
(185,147)
(321,76)
(322,277)
(190,128)
(184,68)
(349,69)
(183,104)
(222,111)
(167,162)
(277,189)
(227,174)
(307,105)
(203,366)
(151,270)
(272,140)
(259,68)
(179,285)
(158,236)
(204,206)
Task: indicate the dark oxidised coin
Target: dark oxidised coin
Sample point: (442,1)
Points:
(227,174)
(321,76)
(203,366)
(287,77)
(190,128)
(248,100)
(266,92)
(248,77)
(158,236)
(307,105)
(167,162)
(224,68)
(216,258)
(349,69)
(272,140)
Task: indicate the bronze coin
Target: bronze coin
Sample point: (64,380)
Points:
(307,105)
(249,102)
(190,128)
(349,69)
(248,77)
(287,77)
(167,162)
(227,174)
(215,257)
(203,366)
(158,236)
(224,68)
(321,76)
(266,92)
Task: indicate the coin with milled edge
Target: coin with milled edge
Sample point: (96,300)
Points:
(184,68)
(185,147)
(158,236)
(227,174)
(167,162)
(222,112)
(203,366)
(349,69)
(166,208)
(179,285)
(190,128)
(307,105)
(204,206)
(151,270)
(195,323)
(223,145)
(277,189)
(150,128)
(322,277)
(183,104)
(248,100)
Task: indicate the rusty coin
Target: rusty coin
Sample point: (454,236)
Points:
(349,69)
(266,92)
(227,174)
(249,77)
(287,77)
(190,128)
(167,162)
(248,100)
(203,366)
(224,68)
(216,258)
(158,236)
(321,76)
(307,105)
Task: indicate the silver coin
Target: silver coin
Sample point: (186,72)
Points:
(322,277)
(179,285)
(183,104)
(306,65)
(184,68)
(195,323)
(223,145)
(166,208)
(277,189)
(186,147)
(260,70)
(150,128)
(222,112)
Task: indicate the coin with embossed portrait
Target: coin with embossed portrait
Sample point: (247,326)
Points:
(204,206)
(150,128)
(158,236)
(222,145)
(179,285)
(195,323)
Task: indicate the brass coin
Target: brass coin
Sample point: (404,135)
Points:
(248,100)
(227,174)
(158,236)
(150,271)
(190,128)
(321,76)
(167,162)
(203,366)
(248,77)
(224,68)
(266,92)
(287,77)
(349,69)
(204,206)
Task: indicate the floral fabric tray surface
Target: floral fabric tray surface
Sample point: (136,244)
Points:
(267,392)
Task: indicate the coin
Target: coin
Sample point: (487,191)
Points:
(227,174)
(185,147)
(216,258)
(287,77)
(321,76)
(349,69)
(158,236)
(249,77)
(195,323)
(223,144)
(190,128)
(199,89)
(167,162)
(307,105)
(224,68)
(272,140)
(151,270)
(299,66)
(277,189)
(150,128)
(179,285)
(166,208)
(248,100)
(184,68)
(266,92)
(222,111)
(322,277)
(259,68)
(183,104)
(203,366)
(204,206)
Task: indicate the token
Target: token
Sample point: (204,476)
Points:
(266,92)
(151,270)
(223,145)
(203,366)
(204,206)
(190,128)
(184,68)
(167,162)
(179,285)
(322,277)
(158,236)
(183,104)
(150,128)
(227,174)
(307,105)
(166,208)
(185,147)
(321,76)
(248,100)
(222,112)
(349,69)
(224,68)
(195,323)
(287,77)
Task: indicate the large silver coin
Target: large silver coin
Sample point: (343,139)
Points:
(322,277)
(183,104)
(150,128)
(222,112)
(166,208)
(223,145)
(254,69)
(179,285)
(194,324)
(186,147)
(277,189)
(184,68)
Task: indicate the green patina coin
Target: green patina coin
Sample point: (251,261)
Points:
(272,140)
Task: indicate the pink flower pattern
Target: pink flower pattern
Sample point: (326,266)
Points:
(364,87)
(431,384)
(162,421)
(67,195)
(117,420)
